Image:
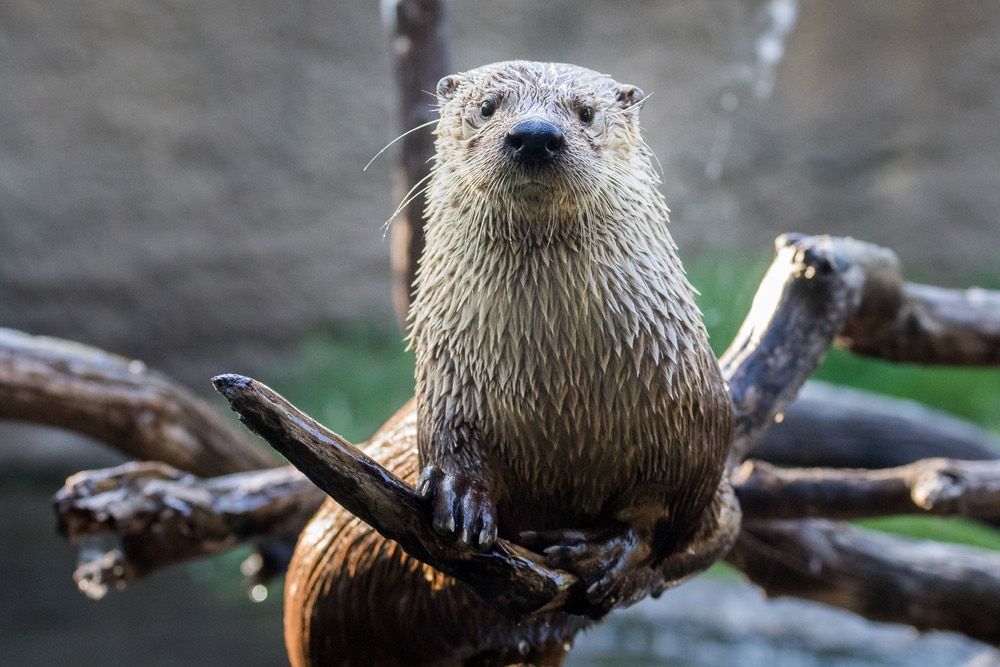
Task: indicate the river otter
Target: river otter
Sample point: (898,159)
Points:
(566,394)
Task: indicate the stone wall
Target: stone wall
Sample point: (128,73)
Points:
(181,180)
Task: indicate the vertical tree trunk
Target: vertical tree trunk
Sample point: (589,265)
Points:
(420,57)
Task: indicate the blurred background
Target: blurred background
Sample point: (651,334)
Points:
(182,182)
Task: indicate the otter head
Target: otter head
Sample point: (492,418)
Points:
(536,144)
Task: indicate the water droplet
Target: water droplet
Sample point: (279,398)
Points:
(258,593)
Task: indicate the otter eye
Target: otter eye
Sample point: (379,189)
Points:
(487,108)
(586,114)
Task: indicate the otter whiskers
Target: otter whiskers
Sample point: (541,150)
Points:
(408,132)
(407,199)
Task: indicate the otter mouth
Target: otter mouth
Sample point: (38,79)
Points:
(525,178)
(532,186)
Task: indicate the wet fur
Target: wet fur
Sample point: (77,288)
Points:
(560,356)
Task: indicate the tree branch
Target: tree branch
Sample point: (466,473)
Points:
(119,402)
(838,427)
(931,486)
(924,584)
(811,289)
(820,289)
(137,517)
(420,58)
(814,286)
(924,324)
(507,577)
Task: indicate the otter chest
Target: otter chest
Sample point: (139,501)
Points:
(571,370)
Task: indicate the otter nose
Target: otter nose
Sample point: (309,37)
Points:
(535,141)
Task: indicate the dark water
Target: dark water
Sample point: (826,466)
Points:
(195,614)
(200,614)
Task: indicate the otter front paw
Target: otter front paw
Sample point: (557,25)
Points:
(603,559)
(463,506)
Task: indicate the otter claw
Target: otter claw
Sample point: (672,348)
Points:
(601,559)
(462,507)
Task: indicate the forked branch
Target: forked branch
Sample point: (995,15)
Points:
(823,289)
(137,517)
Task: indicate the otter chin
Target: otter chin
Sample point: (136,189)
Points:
(566,395)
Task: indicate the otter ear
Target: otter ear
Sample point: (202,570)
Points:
(448,86)
(629,95)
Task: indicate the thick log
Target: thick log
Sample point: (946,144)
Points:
(837,427)
(119,402)
(420,58)
(137,517)
(928,585)
(931,486)
(507,577)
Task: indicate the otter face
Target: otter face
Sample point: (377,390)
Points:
(538,135)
